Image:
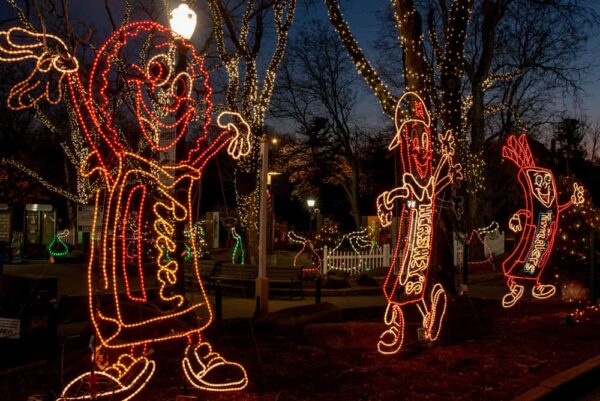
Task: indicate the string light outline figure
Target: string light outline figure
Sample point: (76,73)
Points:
(538,222)
(59,237)
(96,120)
(306,243)
(360,241)
(238,247)
(421,185)
(480,234)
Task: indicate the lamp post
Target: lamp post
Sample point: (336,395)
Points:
(262,281)
(271,210)
(183,22)
(310,202)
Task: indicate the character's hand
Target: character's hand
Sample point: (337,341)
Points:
(457,174)
(384,209)
(577,197)
(240,144)
(52,62)
(515,223)
(447,143)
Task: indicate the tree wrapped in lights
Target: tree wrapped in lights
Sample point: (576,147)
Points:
(133,183)
(329,235)
(60,121)
(484,67)
(573,237)
(239,41)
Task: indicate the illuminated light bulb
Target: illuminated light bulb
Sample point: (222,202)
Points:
(183,21)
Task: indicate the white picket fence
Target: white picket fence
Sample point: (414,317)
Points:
(355,263)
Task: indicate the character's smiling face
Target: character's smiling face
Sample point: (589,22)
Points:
(152,86)
(161,94)
(542,186)
(420,150)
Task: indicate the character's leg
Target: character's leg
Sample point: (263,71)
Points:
(432,321)
(516,292)
(391,339)
(543,291)
(208,370)
(120,381)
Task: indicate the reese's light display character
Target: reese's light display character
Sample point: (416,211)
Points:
(537,222)
(138,70)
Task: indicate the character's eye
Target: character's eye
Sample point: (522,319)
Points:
(180,86)
(156,71)
(425,140)
(547,178)
(538,180)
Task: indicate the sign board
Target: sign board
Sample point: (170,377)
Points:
(166,139)
(38,207)
(10,328)
(85,218)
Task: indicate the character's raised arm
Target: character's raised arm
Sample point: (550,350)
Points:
(236,136)
(50,62)
(446,163)
(576,199)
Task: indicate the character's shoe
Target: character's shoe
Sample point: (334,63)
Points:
(391,340)
(543,291)
(510,299)
(207,370)
(119,382)
(432,322)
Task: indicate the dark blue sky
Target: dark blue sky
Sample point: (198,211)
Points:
(362,16)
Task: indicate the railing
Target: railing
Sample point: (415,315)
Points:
(355,263)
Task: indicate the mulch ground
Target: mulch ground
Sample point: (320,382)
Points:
(485,353)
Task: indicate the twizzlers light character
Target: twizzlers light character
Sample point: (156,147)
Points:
(406,282)
(537,222)
(133,185)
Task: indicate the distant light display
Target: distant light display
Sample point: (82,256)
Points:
(537,222)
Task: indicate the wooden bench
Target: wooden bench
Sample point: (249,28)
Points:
(234,276)
(285,277)
(243,277)
(205,266)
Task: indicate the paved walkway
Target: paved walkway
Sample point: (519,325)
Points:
(72,282)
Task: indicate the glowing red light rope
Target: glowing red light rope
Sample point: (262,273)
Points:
(421,185)
(538,222)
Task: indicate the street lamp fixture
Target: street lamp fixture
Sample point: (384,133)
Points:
(310,202)
(183,21)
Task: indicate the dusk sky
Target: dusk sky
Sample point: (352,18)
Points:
(362,17)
